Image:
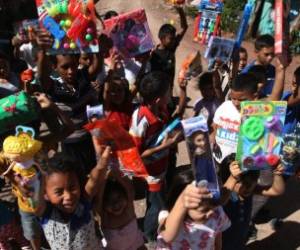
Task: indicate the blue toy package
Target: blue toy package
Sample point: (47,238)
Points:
(244,24)
(219,47)
(197,139)
(260,134)
(169,129)
(290,152)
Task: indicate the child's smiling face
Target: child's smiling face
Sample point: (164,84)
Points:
(63,191)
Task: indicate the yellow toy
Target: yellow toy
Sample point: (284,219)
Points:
(20,149)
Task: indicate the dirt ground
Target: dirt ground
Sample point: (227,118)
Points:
(287,206)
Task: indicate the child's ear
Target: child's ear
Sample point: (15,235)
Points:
(46,197)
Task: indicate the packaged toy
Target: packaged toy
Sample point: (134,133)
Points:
(197,138)
(208,20)
(19,108)
(71,23)
(220,48)
(130,33)
(25,28)
(260,134)
(191,66)
(96,112)
(123,146)
(20,150)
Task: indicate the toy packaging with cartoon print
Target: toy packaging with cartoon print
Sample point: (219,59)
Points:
(130,33)
(197,138)
(71,23)
(260,135)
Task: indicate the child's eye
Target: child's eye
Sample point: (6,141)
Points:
(58,192)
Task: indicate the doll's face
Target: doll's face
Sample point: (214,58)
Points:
(289,152)
(200,141)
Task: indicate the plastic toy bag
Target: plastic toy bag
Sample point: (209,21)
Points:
(130,33)
(71,23)
(19,108)
(220,48)
(260,134)
(129,160)
(208,21)
(197,139)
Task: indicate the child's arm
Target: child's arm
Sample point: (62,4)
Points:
(278,87)
(183,23)
(278,186)
(218,86)
(44,41)
(95,66)
(190,198)
(232,180)
(218,242)
(166,143)
(58,123)
(182,99)
(97,175)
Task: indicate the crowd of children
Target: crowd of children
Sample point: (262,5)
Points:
(85,203)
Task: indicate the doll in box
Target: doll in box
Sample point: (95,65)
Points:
(21,149)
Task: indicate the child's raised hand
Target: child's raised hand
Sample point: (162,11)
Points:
(192,196)
(104,155)
(278,170)
(44,39)
(235,170)
(43,100)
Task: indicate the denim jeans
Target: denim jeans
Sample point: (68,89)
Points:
(155,203)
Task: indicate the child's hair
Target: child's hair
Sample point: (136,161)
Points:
(259,72)
(166,29)
(180,181)
(113,186)
(243,50)
(224,171)
(109,14)
(154,85)
(245,82)
(62,163)
(205,79)
(53,58)
(264,41)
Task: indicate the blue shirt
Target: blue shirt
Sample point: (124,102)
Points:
(292,115)
(270,76)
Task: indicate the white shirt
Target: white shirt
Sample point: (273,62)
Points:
(228,120)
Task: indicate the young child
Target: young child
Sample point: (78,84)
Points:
(118,219)
(191,220)
(66,215)
(243,58)
(147,123)
(71,92)
(239,206)
(264,48)
(209,103)
(163,57)
(117,100)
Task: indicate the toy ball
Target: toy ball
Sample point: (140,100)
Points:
(72,45)
(66,46)
(62,23)
(89,30)
(88,37)
(68,23)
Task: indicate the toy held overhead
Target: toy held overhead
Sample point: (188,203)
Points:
(130,33)
(71,23)
(260,135)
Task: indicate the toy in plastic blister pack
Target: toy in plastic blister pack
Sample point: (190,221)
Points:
(191,67)
(260,134)
(197,139)
(290,152)
(208,20)
(220,48)
(25,28)
(71,23)
(130,33)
